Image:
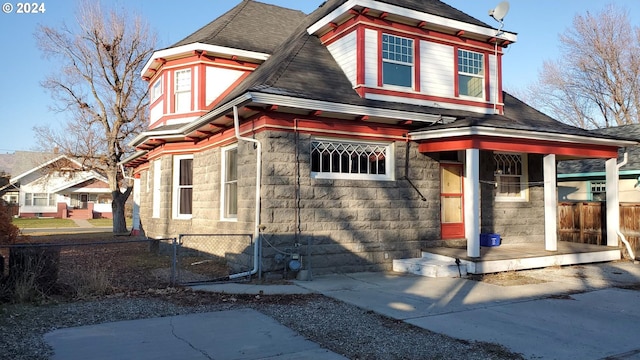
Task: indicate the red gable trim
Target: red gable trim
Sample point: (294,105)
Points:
(523,145)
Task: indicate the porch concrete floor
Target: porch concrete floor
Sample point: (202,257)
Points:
(526,256)
(516,251)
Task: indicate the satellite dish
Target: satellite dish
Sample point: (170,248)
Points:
(500,11)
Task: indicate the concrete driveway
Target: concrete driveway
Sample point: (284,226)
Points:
(579,312)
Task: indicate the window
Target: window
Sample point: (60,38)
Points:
(229,196)
(598,190)
(39,199)
(397,61)
(183,186)
(470,73)
(183,90)
(11,199)
(351,160)
(104,199)
(511,175)
(155,196)
(156,89)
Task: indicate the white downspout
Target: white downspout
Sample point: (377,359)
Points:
(624,240)
(256,232)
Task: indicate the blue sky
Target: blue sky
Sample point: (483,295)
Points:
(25,104)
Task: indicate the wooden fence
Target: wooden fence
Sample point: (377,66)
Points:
(585,222)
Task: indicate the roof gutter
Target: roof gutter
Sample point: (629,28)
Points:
(356,110)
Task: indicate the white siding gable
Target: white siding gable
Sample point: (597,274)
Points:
(344,52)
(371,58)
(219,80)
(437,69)
(492,78)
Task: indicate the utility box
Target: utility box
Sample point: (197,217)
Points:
(489,239)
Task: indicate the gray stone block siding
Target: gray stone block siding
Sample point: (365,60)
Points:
(516,222)
(336,225)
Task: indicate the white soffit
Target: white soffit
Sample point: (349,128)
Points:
(204,47)
(413,14)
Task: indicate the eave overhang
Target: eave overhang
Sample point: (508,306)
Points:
(220,119)
(502,139)
(420,19)
(89,175)
(160,57)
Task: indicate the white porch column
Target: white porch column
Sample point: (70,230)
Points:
(613,201)
(472,202)
(550,204)
(135,229)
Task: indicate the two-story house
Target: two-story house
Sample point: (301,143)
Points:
(358,134)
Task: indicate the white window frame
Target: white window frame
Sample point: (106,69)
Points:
(29,199)
(224,181)
(176,188)
(597,187)
(156,191)
(501,172)
(389,158)
(181,90)
(474,73)
(157,89)
(390,56)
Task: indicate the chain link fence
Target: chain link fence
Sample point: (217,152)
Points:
(85,268)
(202,258)
(81,269)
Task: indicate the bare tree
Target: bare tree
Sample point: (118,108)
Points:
(596,81)
(96,82)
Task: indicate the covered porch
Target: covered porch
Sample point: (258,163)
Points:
(482,212)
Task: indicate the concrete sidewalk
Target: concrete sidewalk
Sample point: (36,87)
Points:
(575,314)
(237,334)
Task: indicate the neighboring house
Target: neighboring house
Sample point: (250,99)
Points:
(53,185)
(585,180)
(358,134)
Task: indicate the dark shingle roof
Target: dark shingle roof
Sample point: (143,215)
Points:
(436,8)
(251,26)
(631,132)
(20,162)
(517,116)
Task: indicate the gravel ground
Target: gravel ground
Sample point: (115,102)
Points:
(342,328)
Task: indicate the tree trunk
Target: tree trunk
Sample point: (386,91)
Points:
(117,210)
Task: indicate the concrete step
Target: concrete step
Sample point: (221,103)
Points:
(430,267)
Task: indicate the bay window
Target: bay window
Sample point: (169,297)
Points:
(183,90)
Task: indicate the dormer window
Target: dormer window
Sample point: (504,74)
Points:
(397,61)
(470,73)
(183,90)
